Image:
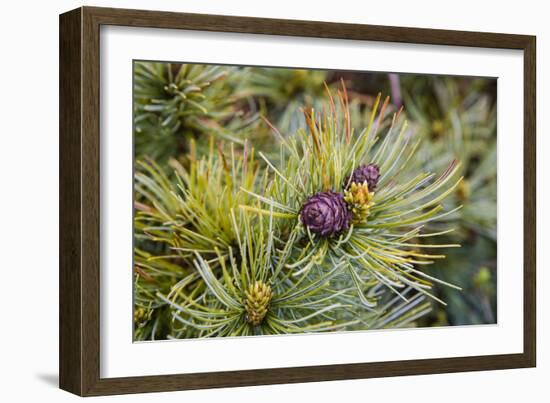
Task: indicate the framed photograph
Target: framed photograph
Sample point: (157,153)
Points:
(249,201)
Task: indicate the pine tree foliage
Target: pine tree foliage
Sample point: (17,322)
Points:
(380,249)
(281,93)
(453,124)
(458,117)
(223,247)
(174,103)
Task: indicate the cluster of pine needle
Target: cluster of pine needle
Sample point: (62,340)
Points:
(278,201)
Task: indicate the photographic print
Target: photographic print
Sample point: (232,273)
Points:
(272,201)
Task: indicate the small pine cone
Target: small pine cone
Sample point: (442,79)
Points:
(258,297)
(365,173)
(325,214)
(140,315)
(359,200)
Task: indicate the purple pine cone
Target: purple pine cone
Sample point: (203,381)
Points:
(369,173)
(325,213)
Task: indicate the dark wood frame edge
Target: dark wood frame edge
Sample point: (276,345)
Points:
(79,200)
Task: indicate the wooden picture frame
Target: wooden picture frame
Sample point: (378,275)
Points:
(80,186)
